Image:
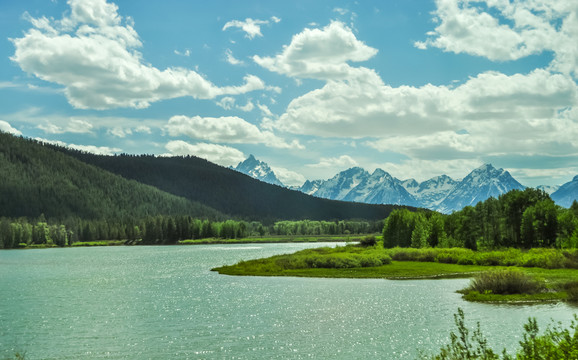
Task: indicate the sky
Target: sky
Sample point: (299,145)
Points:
(417,88)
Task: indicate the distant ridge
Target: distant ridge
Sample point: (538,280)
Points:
(37,179)
(227,190)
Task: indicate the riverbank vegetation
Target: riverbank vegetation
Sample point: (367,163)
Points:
(519,219)
(168,230)
(555,343)
(510,275)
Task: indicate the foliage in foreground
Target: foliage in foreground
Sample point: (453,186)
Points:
(555,343)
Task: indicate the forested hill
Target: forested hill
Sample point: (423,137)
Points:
(36,179)
(228,191)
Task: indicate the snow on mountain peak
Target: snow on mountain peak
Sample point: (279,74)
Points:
(258,170)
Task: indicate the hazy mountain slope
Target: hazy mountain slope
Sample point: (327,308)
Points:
(228,190)
(567,193)
(36,179)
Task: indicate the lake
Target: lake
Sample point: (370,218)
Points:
(163,302)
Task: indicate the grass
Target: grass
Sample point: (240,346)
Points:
(99,243)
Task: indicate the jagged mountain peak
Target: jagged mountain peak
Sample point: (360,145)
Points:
(258,170)
(481,184)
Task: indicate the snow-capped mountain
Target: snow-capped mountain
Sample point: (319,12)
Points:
(441,193)
(310,187)
(432,192)
(380,188)
(341,184)
(481,184)
(567,193)
(258,170)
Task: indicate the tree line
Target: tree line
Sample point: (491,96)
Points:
(160,229)
(520,218)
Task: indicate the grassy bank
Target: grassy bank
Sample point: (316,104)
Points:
(556,276)
(273,240)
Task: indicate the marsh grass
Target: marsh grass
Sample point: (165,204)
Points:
(541,258)
(506,282)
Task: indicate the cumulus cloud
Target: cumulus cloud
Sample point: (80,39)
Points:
(99,150)
(251,27)
(7,128)
(319,54)
(504,30)
(92,52)
(229,129)
(344,161)
(218,154)
(500,113)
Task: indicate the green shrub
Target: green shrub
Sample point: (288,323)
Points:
(504,282)
(556,343)
(367,241)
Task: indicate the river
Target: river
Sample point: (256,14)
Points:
(163,302)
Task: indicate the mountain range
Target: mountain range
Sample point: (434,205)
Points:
(440,193)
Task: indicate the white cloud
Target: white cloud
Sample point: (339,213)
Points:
(265,110)
(99,150)
(92,52)
(186,53)
(247,107)
(504,30)
(226,103)
(344,161)
(120,132)
(231,59)
(229,129)
(76,126)
(251,27)
(7,128)
(319,54)
(499,112)
(218,154)
(143,129)
(288,177)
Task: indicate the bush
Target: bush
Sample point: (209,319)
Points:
(555,343)
(369,240)
(505,282)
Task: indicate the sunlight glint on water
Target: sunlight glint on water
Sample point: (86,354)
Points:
(164,303)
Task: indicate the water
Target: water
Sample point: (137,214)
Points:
(165,303)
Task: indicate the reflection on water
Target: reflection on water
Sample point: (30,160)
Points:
(165,303)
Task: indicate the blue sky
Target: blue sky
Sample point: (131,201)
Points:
(418,88)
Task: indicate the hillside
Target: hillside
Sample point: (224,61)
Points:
(228,191)
(36,179)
